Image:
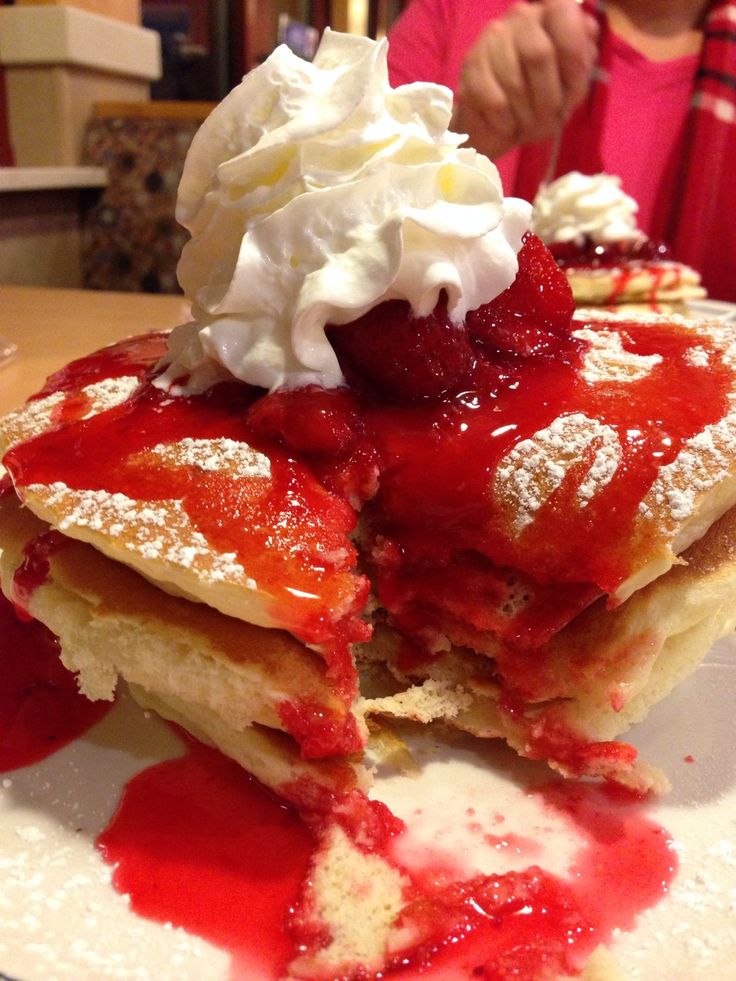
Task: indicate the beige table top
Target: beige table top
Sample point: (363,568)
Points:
(54,326)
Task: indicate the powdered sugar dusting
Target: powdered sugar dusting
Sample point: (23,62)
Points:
(60,917)
(215,455)
(32,418)
(607,361)
(38,415)
(158,532)
(536,467)
(698,357)
(108,393)
(705,461)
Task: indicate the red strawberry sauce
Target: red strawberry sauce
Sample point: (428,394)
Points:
(432,464)
(610,254)
(199,843)
(287,531)
(420,464)
(41,709)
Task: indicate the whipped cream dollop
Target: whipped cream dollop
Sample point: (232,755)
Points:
(314,192)
(576,207)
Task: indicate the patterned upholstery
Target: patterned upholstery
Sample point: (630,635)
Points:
(131,240)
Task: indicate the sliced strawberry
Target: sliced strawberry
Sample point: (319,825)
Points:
(406,358)
(312,420)
(538,304)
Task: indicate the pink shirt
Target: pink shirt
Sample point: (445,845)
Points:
(648,102)
(646,107)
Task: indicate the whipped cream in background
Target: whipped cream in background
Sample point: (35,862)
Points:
(578,206)
(314,192)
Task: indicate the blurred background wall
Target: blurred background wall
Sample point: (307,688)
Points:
(99,101)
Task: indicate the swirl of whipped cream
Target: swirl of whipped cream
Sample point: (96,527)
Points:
(578,206)
(314,192)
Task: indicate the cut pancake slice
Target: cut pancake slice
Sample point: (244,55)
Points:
(173,488)
(263,699)
(568,700)
(112,623)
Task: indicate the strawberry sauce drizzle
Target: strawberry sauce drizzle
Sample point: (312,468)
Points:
(278,523)
(201,844)
(531,924)
(296,529)
(197,842)
(130,357)
(461,443)
(34,569)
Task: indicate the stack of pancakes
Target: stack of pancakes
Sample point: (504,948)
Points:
(237,595)
(657,285)
(590,225)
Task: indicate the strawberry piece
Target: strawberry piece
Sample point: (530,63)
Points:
(608,254)
(406,358)
(323,425)
(533,312)
(312,420)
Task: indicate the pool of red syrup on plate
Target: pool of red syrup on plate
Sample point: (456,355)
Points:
(41,709)
(196,842)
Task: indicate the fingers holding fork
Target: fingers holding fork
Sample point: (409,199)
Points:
(525,74)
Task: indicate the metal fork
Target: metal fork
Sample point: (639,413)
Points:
(555,151)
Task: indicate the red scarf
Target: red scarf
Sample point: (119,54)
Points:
(701,225)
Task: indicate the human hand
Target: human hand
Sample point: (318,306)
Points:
(525,74)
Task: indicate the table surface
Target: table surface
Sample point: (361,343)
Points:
(54,326)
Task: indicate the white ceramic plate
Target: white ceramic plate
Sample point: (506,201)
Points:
(61,918)
(712,309)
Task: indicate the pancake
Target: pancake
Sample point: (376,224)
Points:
(160,539)
(568,700)
(659,287)
(159,591)
(113,624)
(224,680)
(590,225)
